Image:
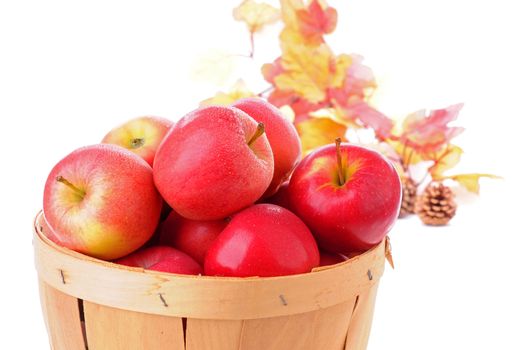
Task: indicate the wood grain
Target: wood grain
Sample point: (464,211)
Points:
(360,325)
(115,329)
(203,297)
(213,334)
(61,314)
(322,329)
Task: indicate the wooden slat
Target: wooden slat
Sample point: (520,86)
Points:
(61,314)
(213,334)
(203,297)
(115,329)
(323,329)
(360,325)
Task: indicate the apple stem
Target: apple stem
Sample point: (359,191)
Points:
(260,129)
(340,170)
(137,142)
(78,191)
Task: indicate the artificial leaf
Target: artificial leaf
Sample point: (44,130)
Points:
(315,21)
(446,160)
(430,133)
(310,71)
(471,181)
(255,14)
(316,132)
(239,90)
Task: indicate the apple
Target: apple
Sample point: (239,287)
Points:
(140,135)
(190,236)
(101,200)
(282,136)
(214,161)
(349,196)
(327,259)
(262,240)
(162,258)
(281,197)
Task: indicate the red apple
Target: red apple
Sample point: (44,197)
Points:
(327,259)
(282,136)
(140,135)
(213,162)
(101,201)
(348,195)
(162,258)
(190,236)
(281,197)
(262,240)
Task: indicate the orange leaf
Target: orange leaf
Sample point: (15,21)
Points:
(310,71)
(445,161)
(471,181)
(315,21)
(316,132)
(255,14)
(239,90)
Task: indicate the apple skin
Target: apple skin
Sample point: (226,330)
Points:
(262,240)
(281,197)
(190,236)
(140,135)
(352,217)
(205,169)
(162,258)
(327,259)
(119,210)
(282,136)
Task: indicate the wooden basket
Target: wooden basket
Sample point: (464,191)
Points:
(97,305)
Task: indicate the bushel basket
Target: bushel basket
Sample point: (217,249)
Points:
(97,305)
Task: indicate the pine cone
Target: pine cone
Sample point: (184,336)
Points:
(409,196)
(436,206)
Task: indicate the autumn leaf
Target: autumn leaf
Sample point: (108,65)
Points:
(367,116)
(446,160)
(316,132)
(239,90)
(310,71)
(471,181)
(316,21)
(271,70)
(430,133)
(255,14)
(359,82)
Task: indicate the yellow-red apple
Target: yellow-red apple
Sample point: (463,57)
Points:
(140,135)
(101,200)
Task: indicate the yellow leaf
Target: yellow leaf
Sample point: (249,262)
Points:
(239,90)
(309,71)
(471,181)
(318,132)
(215,66)
(445,161)
(255,14)
(289,10)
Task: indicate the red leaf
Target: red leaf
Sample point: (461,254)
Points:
(316,21)
(430,133)
(271,70)
(369,117)
(359,78)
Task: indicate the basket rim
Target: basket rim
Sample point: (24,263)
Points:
(38,230)
(207,297)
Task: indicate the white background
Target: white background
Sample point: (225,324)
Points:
(71,70)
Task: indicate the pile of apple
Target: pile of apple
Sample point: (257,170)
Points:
(221,192)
